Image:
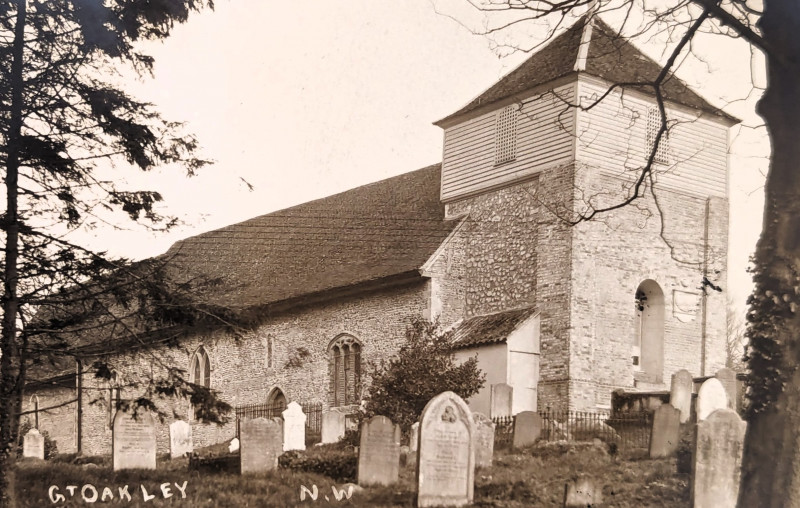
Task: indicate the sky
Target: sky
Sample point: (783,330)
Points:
(306,99)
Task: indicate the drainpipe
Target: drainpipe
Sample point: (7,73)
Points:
(704,296)
(79,412)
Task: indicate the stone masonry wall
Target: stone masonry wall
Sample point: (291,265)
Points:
(239,367)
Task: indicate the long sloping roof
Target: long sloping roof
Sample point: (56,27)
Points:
(383,229)
(490,328)
(610,56)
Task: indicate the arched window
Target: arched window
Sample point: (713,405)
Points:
(344,367)
(647,353)
(200,368)
(276,403)
(34,403)
(114,397)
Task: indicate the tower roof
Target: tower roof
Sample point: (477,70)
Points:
(606,54)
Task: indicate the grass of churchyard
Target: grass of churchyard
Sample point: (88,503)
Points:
(531,477)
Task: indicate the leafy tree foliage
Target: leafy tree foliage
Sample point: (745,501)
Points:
(67,133)
(423,368)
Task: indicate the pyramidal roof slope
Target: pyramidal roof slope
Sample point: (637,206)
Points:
(610,56)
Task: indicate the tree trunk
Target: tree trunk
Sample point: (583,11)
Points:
(771,463)
(10,378)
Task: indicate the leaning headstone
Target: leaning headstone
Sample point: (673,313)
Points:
(582,493)
(33,445)
(180,439)
(680,393)
(718,459)
(261,443)
(333,423)
(446,455)
(727,377)
(527,429)
(710,397)
(500,400)
(484,440)
(666,430)
(294,427)
(413,439)
(134,441)
(379,452)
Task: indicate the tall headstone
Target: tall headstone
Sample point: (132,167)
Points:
(134,441)
(710,397)
(718,460)
(413,439)
(680,393)
(446,454)
(180,439)
(379,452)
(33,445)
(666,430)
(501,397)
(484,439)
(294,427)
(333,423)
(527,428)
(727,377)
(260,444)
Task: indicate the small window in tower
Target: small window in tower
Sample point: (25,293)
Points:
(653,126)
(505,141)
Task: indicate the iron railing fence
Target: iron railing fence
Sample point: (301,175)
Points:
(313,411)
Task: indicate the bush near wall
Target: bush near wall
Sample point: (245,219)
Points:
(337,461)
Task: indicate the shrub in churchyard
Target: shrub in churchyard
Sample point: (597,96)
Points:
(424,367)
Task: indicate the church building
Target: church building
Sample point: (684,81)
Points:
(491,243)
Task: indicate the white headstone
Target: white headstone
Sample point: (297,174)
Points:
(718,460)
(180,439)
(294,427)
(33,445)
(710,397)
(680,393)
(413,440)
(333,425)
(446,454)
(134,441)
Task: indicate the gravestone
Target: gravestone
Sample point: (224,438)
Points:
(413,439)
(33,445)
(710,397)
(500,401)
(446,454)
(527,429)
(379,452)
(260,444)
(582,493)
(333,423)
(666,430)
(180,439)
(484,440)
(294,427)
(727,377)
(718,460)
(134,441)
(680,393)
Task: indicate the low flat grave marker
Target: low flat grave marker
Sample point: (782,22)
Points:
(260,444)
(665,433)
(582,493)
(379,452)
(134,441)
(527,428)
(294,427)
(33,445)
(446,454)
(718,460)
(180,439)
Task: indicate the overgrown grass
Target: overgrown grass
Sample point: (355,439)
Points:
(533,477)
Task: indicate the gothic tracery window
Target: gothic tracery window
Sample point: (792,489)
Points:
(345,371)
